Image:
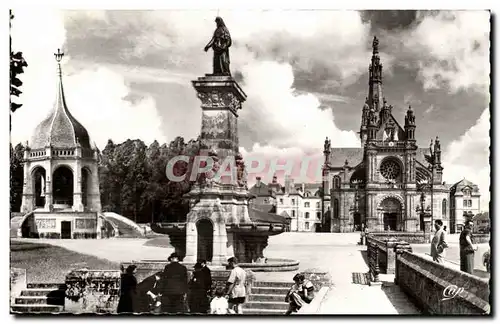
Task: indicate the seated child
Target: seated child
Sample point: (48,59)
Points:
(302,292)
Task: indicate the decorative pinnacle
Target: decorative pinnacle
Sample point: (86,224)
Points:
(59,55)
(375,45)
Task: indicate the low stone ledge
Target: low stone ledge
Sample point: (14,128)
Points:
(440,289)
(92,291)
(410,237)
(17,283)
(481,238)
(314,306)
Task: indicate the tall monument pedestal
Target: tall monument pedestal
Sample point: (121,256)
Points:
(217,199)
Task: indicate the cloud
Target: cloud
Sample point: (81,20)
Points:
(453,50)
(283,118)
(468,157)
(96,96)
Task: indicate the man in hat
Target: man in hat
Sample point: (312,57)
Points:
(207,276)
(174,286)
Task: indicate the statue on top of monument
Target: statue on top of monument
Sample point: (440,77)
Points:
(220,43)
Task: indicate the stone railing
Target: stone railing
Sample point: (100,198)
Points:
(481,238)
(410,237)
(92,291)
(381,255)
(17,283)
(439,289)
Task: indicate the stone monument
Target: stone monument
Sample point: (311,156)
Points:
(220,223)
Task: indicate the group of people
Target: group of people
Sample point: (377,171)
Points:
(466,243)
(171,291)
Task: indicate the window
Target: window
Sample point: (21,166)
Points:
(293,201)
(443,207)
(281,201)
(307,214)
(307,225)
(336,208)
(470,203)
(318,215)
(336,182)
(465,203)
(306,204)
(317,204)
(293,213)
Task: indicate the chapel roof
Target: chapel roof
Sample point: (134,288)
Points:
(60,129)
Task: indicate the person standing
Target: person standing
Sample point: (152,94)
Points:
(128,291)
(197,297)
(438,243)
(207,276)
(174,286)
(236,286)
(467,248)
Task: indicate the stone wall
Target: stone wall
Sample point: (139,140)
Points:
(412,238)
(439,289)
(17,283)
(481,238)
(92,291)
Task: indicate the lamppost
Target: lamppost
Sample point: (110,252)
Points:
(431,159)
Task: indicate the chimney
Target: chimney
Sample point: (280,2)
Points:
(287,184)
(257,184)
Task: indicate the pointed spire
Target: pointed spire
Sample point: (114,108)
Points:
(375,45)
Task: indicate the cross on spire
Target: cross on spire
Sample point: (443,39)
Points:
(375,45)
(59,55)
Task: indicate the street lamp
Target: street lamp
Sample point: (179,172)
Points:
(431,159)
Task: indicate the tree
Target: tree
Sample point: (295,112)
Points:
(17,65)
(16,176)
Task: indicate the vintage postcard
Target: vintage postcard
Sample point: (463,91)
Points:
(250,162)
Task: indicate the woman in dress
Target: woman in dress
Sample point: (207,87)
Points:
(197,295)
(128,291)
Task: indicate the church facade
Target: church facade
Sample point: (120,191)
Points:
(384,183)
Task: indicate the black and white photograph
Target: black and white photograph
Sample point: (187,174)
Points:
(237,162)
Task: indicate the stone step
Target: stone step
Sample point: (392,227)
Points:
(46,285)
(39,300)
(42,292)
(37,308)
(266,305)
(267,297)
(272,284)
(262,311)
(271,290)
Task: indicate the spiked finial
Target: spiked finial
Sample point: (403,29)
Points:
(375,45)
(59,55)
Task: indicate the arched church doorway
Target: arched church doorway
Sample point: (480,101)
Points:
(391,213)
(357,221)
(38,177)
(63,186)
(205,239)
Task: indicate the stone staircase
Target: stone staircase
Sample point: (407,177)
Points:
(267,298)
(40,298)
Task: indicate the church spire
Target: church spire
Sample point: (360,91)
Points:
(375,94)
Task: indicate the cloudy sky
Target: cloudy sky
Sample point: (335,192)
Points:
(128,73)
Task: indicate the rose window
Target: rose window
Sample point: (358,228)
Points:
(390,170)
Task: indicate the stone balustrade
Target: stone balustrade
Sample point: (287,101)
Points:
(382,255)
(410,237)
(439,289)
(92,291)
(17,283)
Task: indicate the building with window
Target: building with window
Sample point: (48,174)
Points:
(381,183)
(299,202)
(465,203)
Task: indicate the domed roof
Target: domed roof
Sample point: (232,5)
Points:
(60,129)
